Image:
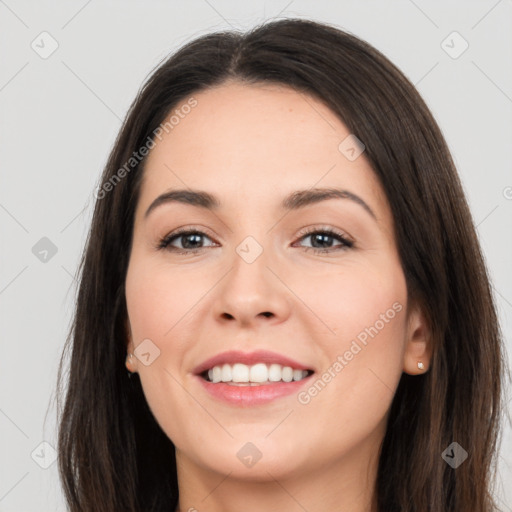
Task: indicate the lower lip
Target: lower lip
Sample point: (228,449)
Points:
(246,396)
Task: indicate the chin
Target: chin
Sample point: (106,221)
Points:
(254,458)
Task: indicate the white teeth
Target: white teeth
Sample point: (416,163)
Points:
(297,374)
(216,374)
(274,373)
(258,373)
(226,373)
(240,373)
(287,374)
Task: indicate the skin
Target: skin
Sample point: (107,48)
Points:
(251,145)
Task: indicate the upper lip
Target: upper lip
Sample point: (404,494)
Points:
(248,358)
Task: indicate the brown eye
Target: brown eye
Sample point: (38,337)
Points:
(190,241)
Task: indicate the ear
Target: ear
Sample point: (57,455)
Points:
(131,362)
(418,343)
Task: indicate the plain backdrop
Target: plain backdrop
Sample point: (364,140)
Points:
(69,71)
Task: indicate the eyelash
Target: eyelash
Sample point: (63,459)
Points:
(165,242)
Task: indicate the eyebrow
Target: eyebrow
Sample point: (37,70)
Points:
(294,201)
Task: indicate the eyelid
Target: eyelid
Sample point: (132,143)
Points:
(184,230)
(328,229)
(346,241)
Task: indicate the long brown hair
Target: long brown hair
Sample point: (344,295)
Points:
(113,455)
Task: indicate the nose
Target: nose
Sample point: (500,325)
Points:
(252,294)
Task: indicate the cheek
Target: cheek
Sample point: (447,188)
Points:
(160,301)
(366,310)
(362,309)
(160,304)
(354,299)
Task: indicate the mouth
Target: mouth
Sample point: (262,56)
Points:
(259,374)
(244,380)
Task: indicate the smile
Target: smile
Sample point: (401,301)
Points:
(240,374)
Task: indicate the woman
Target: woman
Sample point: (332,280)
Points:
(361,372)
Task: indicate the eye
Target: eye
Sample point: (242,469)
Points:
(323,238)
(190,239)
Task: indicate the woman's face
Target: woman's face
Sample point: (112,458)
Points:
(266,275)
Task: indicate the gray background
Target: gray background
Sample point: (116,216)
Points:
(60,115)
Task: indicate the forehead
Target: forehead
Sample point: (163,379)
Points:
(256,143)
(244,123)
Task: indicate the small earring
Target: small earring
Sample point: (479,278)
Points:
(421,366)
(130,359)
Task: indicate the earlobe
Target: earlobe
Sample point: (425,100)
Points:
(418,344)
(130,362)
